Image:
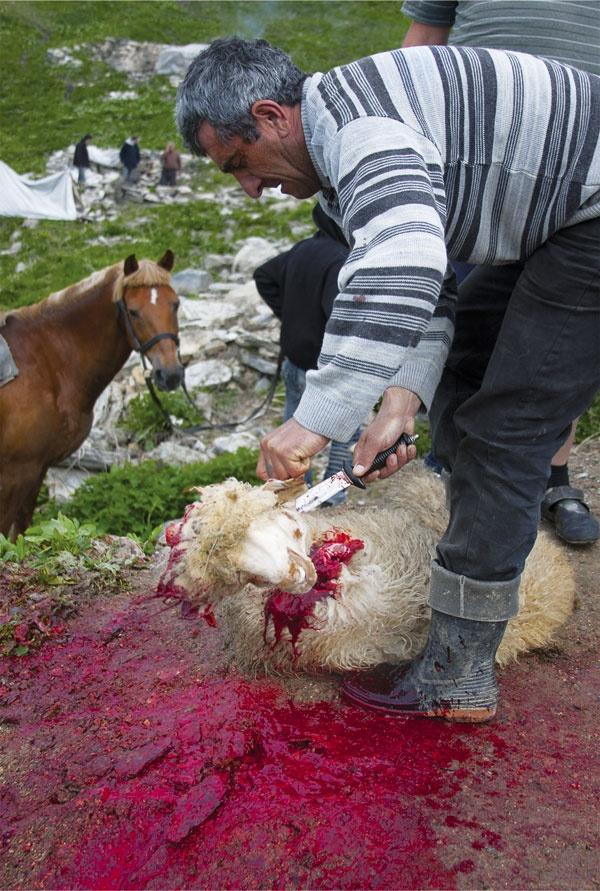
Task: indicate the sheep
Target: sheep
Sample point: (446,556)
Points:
(246,551)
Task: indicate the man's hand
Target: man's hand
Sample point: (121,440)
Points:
(286,452)
(396,416)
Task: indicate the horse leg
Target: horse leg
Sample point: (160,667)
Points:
(19,489)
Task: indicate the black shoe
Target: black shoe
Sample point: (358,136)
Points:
(453,678)
(565,508)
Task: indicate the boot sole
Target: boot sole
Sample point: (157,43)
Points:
(456,715)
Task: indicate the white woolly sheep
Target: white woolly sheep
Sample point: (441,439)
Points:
(246,551)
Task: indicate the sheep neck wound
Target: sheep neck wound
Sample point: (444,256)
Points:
(294,611)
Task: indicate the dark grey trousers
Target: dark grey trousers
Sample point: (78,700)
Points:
(525,362)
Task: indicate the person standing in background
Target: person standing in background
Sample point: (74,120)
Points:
(568,32)
(130,158)
(81,158)
(171,165)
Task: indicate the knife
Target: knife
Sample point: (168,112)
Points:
(345,478)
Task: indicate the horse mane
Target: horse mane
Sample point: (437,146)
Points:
(148,274)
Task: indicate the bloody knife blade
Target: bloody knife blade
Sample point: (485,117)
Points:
(345,478)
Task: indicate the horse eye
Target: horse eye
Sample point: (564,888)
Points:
(176,306)
(134,314)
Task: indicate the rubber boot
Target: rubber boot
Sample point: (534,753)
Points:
(453,677)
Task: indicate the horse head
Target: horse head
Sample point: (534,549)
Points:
(149,307)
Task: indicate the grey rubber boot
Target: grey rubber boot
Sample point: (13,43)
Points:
(454,676)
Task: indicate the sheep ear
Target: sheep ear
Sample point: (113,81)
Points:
(131,265)
(286,491)
(167,260)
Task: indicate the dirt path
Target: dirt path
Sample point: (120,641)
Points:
(134,756)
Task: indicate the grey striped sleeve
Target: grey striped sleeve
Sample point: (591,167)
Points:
(393,205)
(439,13)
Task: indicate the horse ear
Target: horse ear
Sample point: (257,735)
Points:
(167,260)
(131,265)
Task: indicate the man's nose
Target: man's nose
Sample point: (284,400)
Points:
(252,185)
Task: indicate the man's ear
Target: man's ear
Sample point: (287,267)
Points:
(268,113)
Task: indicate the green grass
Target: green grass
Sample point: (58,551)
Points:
(47,107)
(44,107)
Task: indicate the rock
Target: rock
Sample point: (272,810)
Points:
(246,297)
(174,453)
(63,482)
(191,281)
(253,252)
(122,95)
(256,362)
(207,313)
(234,441)
(218,261)
(176,59)
(89,457)
(207,373)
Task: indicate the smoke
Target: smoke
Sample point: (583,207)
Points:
(253,19)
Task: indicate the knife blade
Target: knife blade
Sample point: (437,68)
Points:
(345,478)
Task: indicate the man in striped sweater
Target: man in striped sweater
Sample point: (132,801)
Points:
(421,155)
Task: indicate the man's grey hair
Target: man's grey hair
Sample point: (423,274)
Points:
(225,80)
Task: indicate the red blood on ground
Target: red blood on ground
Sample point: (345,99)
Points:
(293,611)
(133,757)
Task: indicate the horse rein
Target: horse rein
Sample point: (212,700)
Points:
(142,348)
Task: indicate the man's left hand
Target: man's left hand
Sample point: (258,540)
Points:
(286,451)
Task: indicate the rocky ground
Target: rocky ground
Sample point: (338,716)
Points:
(135,755)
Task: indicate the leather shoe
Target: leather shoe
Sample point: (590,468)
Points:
(565,508)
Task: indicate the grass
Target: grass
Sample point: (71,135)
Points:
(48,107)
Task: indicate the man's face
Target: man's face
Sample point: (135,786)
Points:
(269,162)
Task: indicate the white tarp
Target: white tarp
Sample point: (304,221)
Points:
(104,157)
(49,198)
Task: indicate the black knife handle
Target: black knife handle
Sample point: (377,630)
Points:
(379,461)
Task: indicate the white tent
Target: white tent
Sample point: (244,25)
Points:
(49,198)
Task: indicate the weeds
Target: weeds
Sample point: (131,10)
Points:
(48,572)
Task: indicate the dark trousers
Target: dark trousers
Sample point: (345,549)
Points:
(525,361)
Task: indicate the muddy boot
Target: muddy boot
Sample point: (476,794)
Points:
(453,677)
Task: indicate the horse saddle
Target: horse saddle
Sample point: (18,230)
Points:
(8,369)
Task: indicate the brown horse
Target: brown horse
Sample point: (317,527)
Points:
(68,348)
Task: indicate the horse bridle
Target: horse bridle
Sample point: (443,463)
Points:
(141,348)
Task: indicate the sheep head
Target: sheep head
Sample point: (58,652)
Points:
(235,534)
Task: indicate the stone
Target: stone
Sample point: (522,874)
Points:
(207,373)
(191,281)
(207,313)
(62,482)
(253,252)
(173,453)
(252,360)
(175,60)
(234,441)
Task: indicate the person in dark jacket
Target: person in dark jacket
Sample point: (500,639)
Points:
(81,158)
(130,158)
(300,286)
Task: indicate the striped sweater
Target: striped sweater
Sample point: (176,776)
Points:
(565,30)
(424,154)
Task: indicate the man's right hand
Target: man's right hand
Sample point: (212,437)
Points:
(396,416)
